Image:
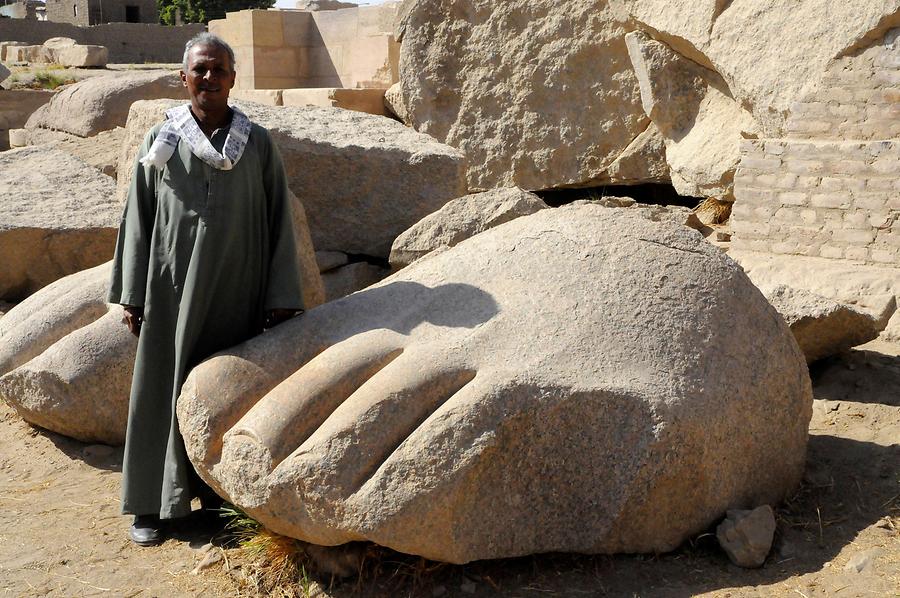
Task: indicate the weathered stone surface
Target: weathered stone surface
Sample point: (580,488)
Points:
(693,109)
(50,314)
(79,386)
(340,282)
(370,101)
(363,179)
(746,536)
(537,93)
(824,327)
(644,160)
(58,216)
(329,260)
(100,151)
(65,354)
(875,289)
(393,101)
(101,103)
(4,73)
(83,56)
(460,219)
(767,51)
(7,56)
(581,379)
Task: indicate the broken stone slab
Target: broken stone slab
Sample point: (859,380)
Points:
(58,216)
(746,536)
(6,56)
(100,151)
(461,219)
(350,278)
(537,93)
(644,160)
(31,53)
(869,287)
(363,179)
(551,384)
(329,260)
(101,103)
(393,102)
(824,327)
(370,101)
(767,51)
(692,107)
(83,56)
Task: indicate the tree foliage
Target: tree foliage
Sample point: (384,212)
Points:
(203,11)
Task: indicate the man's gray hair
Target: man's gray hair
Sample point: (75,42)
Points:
(206,38)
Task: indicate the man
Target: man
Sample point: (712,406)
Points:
(205,259)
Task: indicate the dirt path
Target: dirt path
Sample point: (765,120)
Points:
(61,534)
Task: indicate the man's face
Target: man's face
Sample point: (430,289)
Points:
(209,78)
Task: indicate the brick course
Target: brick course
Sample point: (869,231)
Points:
(831,187)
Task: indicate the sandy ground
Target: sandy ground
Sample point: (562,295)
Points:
(61,534)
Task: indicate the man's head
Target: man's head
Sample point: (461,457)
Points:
(208,71)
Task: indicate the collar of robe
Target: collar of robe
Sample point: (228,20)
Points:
(180,125)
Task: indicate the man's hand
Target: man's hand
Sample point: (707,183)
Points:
(274,317)
(133,318)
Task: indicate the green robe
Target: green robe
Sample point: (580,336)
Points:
(206,252)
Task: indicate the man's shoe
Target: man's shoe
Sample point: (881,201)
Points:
(145,531)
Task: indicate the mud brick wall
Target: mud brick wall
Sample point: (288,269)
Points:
(832,199)
(831,188)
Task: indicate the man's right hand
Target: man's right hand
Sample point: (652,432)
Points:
(133,318)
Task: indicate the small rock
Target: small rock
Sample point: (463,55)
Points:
(863,562)
(746,536)
(98,451)
(212,557)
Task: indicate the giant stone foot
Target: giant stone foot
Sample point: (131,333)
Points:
(582,379)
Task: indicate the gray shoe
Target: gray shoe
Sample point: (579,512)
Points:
(145,531)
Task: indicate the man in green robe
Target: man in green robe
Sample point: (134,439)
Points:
(205,259)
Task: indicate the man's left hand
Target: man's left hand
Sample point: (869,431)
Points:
(274,317)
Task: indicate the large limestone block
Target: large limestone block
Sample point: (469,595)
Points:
(824,327)
(58,216)
(767,51)
(537,93)
(581,380)
(693,109)
(370,101)
(101,103)
(363,179)
(83,56)
(5,54)
(460,219)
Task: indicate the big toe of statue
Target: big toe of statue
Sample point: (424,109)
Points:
(583,379)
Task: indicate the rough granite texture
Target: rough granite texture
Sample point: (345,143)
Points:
(822,326)
(694,111)
(363,179)
(58,216)
(578,380)
(767,51)
(460,219)
(537,93)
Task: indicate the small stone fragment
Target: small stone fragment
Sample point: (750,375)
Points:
(746,536)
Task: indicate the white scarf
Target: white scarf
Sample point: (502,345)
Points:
(180,124)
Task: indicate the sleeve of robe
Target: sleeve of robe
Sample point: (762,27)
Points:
(128,284)
(284,285)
